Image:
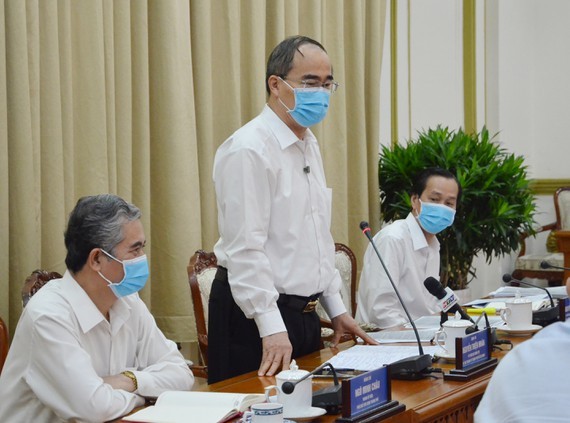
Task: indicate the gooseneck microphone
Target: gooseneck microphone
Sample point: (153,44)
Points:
(508,278)
(547,265)
(289,387)
(539,317)
(411,368)
(448,300)
(329,398)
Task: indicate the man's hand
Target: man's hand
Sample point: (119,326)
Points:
(277,350)
(344,323)
(120,381)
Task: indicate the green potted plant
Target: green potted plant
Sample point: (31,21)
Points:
(496,206)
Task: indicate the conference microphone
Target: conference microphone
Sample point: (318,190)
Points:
(329,398)
(447,299)
(547,265)
(411,368)
(542,317)
(288,387)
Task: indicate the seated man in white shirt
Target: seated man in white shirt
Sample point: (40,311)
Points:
(410,250)
(530,384)
(86,347)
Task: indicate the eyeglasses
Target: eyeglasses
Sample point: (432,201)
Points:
(331,86)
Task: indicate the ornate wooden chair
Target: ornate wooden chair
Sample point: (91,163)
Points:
(558,250)
(35,281)
(4,343)
(346,264)
(201,272)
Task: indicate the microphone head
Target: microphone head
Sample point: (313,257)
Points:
(434,287)
(507,278)
(287,387)
(543,264)
(364,225)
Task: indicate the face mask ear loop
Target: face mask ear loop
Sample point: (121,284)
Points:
(416,213)
(281,101)
(118,261)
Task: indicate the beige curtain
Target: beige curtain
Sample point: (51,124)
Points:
(134,97)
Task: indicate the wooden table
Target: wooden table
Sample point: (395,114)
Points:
(427,400)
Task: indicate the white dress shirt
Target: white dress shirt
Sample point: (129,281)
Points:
(64,346)
(274,216)
(410,261)
(530,384)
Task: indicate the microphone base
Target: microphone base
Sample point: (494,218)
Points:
(411,368)
(329,398)
(546,316)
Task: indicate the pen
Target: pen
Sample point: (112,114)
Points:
(488,310)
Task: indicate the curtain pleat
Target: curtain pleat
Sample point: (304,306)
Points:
(134,97)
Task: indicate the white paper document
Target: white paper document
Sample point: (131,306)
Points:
(511,291)
(391,336)
(425,324)
(370,357)
(186,406)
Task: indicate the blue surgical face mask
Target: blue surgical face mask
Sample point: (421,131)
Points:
(311,105)
(435,217)
(136,275)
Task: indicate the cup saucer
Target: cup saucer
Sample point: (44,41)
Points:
(444,355)
(305,415)
(248,420)
(520,332)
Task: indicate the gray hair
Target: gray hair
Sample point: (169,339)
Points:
(96,222)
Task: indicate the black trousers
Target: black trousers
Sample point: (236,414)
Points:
(234,344)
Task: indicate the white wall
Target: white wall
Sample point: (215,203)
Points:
(523,77)
(531,106)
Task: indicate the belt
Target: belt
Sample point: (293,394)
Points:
(294,302)
(299,303)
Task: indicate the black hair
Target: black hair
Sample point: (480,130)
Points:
(421,180)
(281,58)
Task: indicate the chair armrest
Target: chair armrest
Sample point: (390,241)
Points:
(539,229)
(326,323)
(199,371)
(563,239)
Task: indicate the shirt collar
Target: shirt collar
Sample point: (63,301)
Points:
(418,238)
(282,132)
(88,315)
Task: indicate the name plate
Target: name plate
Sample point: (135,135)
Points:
(564,306)
(365,392)
(472,349)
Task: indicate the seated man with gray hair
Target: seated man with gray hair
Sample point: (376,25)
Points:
(86,346)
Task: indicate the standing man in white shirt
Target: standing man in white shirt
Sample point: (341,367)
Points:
(410,250)
(275,252)
(86,347)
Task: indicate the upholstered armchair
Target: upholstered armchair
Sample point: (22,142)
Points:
(557,246)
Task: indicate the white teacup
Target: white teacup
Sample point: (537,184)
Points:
(265,412)
(517,314)
(450,331)
(298,402)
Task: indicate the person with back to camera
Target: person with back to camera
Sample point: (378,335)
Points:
(86,347)
(410,250)
(275,252)
(530,384)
